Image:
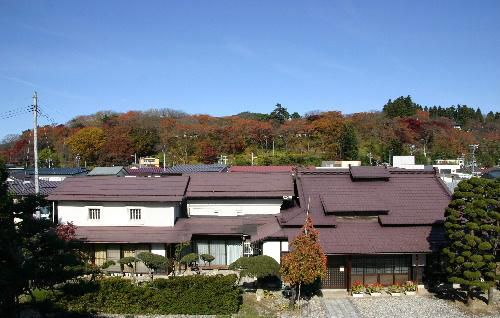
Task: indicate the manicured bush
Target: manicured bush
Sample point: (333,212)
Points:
(207,258)
(261,266)
(213,295)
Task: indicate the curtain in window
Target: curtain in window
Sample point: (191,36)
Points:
(100,254)
(201,247)
(140,267)
(234,250)
(113,254)
(218,250)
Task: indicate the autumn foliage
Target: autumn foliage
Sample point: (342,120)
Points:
(306,263)
(278,138)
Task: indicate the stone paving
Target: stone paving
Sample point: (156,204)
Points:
(341,308)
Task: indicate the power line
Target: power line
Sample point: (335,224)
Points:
(16,112)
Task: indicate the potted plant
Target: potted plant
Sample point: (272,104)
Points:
(375,289)
(410,288)
(357,289)
(395,289)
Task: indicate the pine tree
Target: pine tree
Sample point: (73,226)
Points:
(306,263)
(349,143)
(473,230)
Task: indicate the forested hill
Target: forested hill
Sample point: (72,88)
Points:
(277,138)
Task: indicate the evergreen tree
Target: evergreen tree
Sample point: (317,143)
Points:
(349,143)
(306,263)
(473,230)
(279,114)
(32,254)
(401,107)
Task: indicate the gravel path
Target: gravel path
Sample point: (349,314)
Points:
(419,306)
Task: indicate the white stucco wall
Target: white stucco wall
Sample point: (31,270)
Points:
(453,168)
(158,248)
(117,213)
(214,207)
(274,249)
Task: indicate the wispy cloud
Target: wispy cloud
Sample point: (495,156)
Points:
(240,49)
(42,88)
(20,81)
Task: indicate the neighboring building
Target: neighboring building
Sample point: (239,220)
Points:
(21,188)
(48,174)
(339,164)
(405,162)
(188,169)
(491,173)
(117,171)
(146,171)
(262,169)
(376,224)
(149,162)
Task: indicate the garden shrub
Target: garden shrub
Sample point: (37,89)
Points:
(214,295)
(263,267)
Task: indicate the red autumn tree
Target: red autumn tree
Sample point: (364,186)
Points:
(306,263)
(66,231)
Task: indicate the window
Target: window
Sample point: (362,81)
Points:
(94,214)
(135,214)
(224,251)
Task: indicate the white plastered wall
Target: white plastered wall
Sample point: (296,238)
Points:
(274,249)
(214,207)
(117,213)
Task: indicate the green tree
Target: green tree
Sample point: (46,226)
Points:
(349,142)
(48,158)
(401,107)
(87,143)
(279,114)
(473,230)
(306,263)
(153,261)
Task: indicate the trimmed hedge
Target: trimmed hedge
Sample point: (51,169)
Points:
(209,295)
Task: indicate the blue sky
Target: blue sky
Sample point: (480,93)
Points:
(224,57)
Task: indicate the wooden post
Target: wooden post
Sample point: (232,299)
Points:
(416,270)
(349,268)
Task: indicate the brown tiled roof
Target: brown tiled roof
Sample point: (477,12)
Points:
(262,169)
(125,189)
(240,185)
(341,202)
(130,234)
(412,197)
(369,237)
(223,225)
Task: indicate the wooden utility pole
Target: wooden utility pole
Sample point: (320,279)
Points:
(35,140)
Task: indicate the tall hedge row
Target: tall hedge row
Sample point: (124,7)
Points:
(213,295)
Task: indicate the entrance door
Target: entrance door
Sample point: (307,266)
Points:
(336,273)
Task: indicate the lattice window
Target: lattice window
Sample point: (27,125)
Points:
(135,214)
(94,214)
